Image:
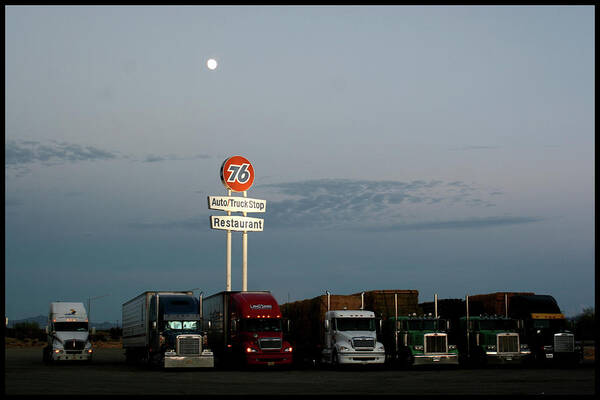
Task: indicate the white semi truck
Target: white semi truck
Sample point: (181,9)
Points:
(68,333)
(334,330)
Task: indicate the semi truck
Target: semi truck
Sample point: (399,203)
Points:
(68,333)
(164,328)
(411,337)
(544,326)
(245,329)
(489,337)
(334,330)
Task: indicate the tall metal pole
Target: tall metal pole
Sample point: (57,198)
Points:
(244,257)
(228,287)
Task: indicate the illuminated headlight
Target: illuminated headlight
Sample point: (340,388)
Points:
(288,349)
(58,351)
(524,346)
(452,347)
(418,347)
(491,347)
(251,350)
(89,350)
(548,348)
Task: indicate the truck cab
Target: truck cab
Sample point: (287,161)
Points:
(257,329)
(420,340)
(68,333)
(181,341)
(492,339)
(351,338)
(545,328)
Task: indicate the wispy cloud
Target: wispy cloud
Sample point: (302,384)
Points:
(26,152)
(464,148)
(364,205)
(156,158)
(470,223)
(21,154)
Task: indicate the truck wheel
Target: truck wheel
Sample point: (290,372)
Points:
(335,361)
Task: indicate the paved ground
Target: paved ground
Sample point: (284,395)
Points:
(108,374)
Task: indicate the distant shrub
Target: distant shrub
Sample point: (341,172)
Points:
(584,324)
(26,330)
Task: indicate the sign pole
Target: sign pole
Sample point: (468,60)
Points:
(228,252)
(245,256)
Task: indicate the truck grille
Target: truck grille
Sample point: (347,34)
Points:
(508,343)
(270,343)
(564,343)
(363,343)
(189,345)
(436,343)
(74,344)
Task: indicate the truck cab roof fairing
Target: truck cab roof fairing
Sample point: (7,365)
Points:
(257,304)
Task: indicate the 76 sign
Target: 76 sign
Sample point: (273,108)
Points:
(237,174)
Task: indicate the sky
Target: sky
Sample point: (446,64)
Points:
(444,149)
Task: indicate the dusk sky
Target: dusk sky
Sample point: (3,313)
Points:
(444,149)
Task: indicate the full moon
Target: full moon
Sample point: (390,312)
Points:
(211,64)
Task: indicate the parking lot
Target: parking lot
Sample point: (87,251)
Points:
(25,373)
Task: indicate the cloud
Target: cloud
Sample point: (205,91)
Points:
(21,154)
(363,205)
(26,152)
(476,148)
(471,223)
(154,158)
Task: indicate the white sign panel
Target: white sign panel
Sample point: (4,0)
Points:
(236,204)
(236,223)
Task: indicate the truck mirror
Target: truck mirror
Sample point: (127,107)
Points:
(234,324)
(447,325)
(153,324)
(326,324)
(380,324)
(288,325)
(46,329)
(93,330)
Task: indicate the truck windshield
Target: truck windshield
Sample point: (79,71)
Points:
(182,325)
(497,324)
(261,325)
(549,323)
(355,324)
(71,326)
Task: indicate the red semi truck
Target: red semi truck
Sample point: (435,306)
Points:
(246,328)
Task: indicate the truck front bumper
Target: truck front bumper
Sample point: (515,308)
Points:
(84,355)
(204,360)
(495,358)
(355,357)
(436,359)
(269,359)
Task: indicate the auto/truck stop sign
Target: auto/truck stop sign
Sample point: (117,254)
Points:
(237,174)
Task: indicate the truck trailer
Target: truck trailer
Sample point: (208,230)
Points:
(169,335)
(68,333)
(543,327)
(334,330)
(245,329)
(411,337)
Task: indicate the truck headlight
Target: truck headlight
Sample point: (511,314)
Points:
(251,350)
(343,348)
(452,347)
(548,348)
(288,349)
(491,347)
(524,346)
(418,347)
